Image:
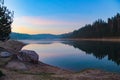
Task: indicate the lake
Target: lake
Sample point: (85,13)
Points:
(78,55)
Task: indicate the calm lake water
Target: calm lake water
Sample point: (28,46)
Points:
(78,55)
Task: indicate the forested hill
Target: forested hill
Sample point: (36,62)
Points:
(99,29)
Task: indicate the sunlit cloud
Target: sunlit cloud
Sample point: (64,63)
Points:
(43,21)
(36,25)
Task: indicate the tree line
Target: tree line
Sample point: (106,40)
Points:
(99,29)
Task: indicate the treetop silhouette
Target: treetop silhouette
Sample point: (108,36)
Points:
(6,19)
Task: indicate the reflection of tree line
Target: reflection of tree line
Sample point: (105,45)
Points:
(99,49)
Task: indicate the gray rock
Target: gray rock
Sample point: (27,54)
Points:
(5,54)
(28,56)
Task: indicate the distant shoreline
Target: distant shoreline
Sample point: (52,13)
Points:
(95,39)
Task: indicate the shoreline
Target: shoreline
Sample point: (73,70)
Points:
(95,39)
(45,71)
(80,39)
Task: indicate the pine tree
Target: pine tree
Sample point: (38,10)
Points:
(6,19)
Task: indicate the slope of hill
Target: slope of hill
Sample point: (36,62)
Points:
(20,36)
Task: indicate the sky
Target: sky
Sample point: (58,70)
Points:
(58,16)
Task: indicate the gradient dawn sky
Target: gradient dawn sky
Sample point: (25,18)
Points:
(58,16)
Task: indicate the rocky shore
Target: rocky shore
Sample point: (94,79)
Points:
(15,69)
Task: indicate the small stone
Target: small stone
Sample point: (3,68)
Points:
(5,54)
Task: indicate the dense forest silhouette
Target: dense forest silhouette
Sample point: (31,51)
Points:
(99,49)
(99,29)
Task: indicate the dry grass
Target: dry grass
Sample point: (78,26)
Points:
(84,75)
(19,75)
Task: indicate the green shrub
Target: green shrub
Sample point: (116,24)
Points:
(1,74)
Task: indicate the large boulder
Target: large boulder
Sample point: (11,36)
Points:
(28,56)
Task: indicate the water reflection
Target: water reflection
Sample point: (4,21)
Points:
(99,49)
(78,55)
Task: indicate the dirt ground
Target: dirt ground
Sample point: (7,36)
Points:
(90,74)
